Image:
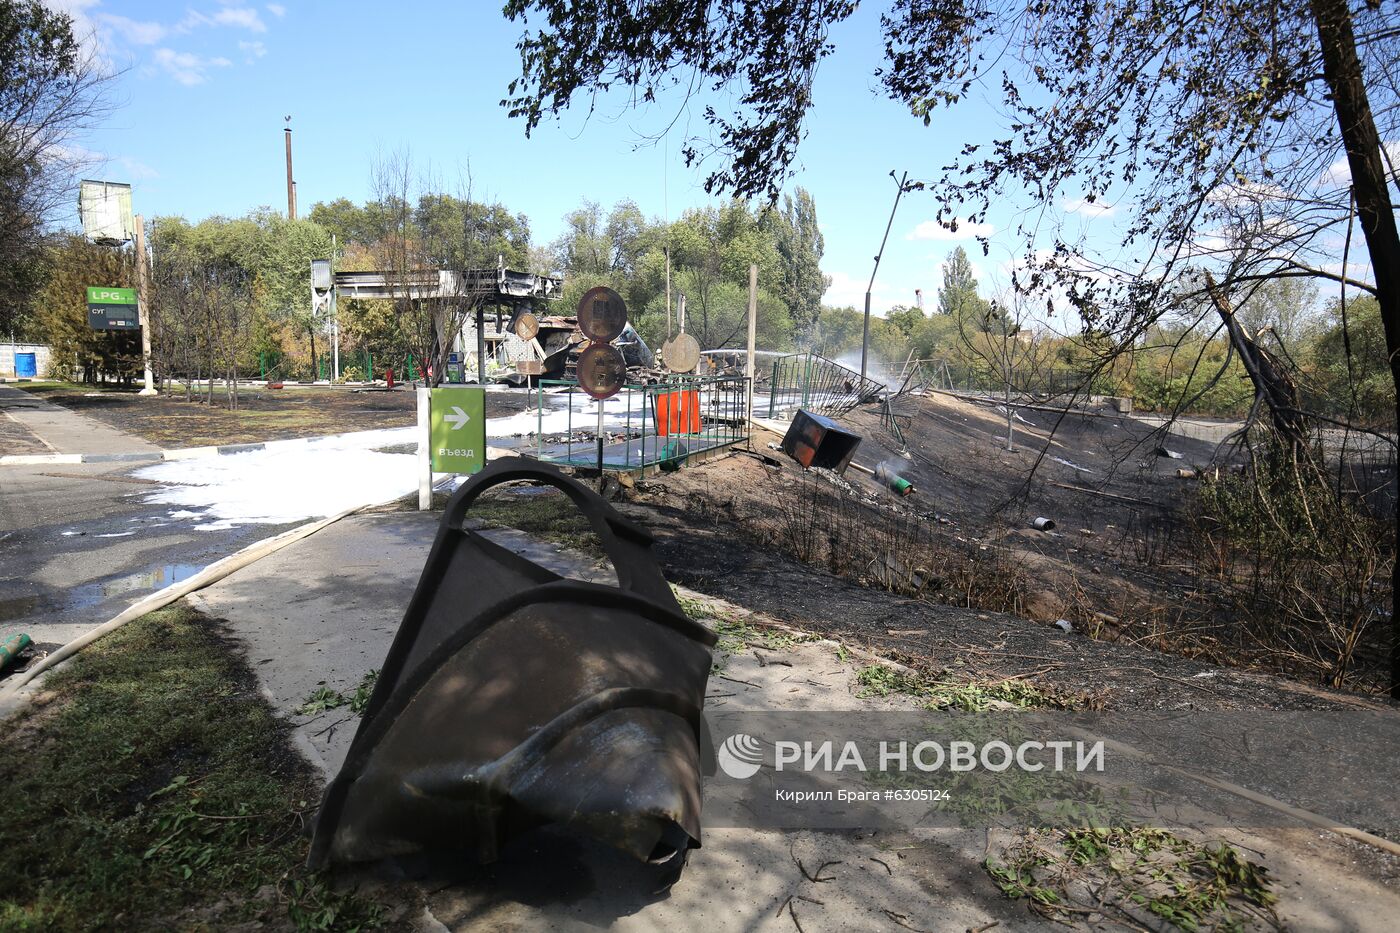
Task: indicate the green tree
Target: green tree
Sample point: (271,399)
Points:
(1285,306)
(959,300)
(906,320)
(1350,368)
(50,92)
(798,238)
(61,315)
(959,290)
(584,248)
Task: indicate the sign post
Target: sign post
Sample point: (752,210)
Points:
(602,371)
(425,457)
(455,419)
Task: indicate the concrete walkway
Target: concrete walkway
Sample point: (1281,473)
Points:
(324,612)
(67,432)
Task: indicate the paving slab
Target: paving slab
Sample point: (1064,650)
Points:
(17,440)
(325,610)
(67,432)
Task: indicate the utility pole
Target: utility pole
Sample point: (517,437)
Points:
(335,319)
(753,339)
(143,315)
(865,334)
(291,185)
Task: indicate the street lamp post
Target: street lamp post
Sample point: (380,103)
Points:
(865,333)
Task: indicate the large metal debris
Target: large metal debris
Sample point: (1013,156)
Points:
(815,441)
(513,698)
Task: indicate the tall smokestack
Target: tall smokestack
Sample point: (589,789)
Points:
(291,185)
(919,298)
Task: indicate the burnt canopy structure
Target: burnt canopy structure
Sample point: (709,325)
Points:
(513,698)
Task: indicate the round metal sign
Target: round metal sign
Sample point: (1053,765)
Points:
(682,354)
(601,370)
(527,326)
(602,314)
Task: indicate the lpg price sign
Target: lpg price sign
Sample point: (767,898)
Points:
(112,308)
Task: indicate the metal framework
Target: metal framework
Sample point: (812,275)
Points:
(495,285)
(813,382)
(664,423)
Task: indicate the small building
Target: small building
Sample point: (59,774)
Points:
(23,360)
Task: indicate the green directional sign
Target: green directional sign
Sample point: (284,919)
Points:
(457,428)
(112,308)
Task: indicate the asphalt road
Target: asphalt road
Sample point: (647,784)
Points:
(78,544)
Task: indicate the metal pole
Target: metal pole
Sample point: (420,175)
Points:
(291,191)
(600,445)
(143,315)
(753,338)
(335,318)
(668,292)
(865,334)
(480,346)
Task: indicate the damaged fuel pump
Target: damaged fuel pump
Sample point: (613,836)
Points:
(513,698)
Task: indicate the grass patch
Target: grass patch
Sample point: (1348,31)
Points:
(323,699)
(155,789)
(1136,874)
(879,680)
(736,634)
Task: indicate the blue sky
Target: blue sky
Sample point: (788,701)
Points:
(206,86)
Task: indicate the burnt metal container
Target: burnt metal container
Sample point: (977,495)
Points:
(817,441)
(513,698)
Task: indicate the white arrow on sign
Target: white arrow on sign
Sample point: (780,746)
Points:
(457,418)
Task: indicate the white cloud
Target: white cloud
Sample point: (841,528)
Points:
(1338,174)
(1088,208)
(137,171)
(187,68)
(277,10)
(244,17)
(252,50)
(933,230)
(133,31)
(844,291)
(241,17)
(73,155)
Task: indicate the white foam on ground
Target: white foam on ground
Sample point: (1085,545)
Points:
(292,483)
(558,419)
(302,480)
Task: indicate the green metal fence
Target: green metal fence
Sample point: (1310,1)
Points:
(813,382)
(659,424)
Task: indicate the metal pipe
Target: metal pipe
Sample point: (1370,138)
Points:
(10,649)
(893,481)
(480,345)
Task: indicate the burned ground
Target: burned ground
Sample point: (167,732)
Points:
(1117,566)
(939,639)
